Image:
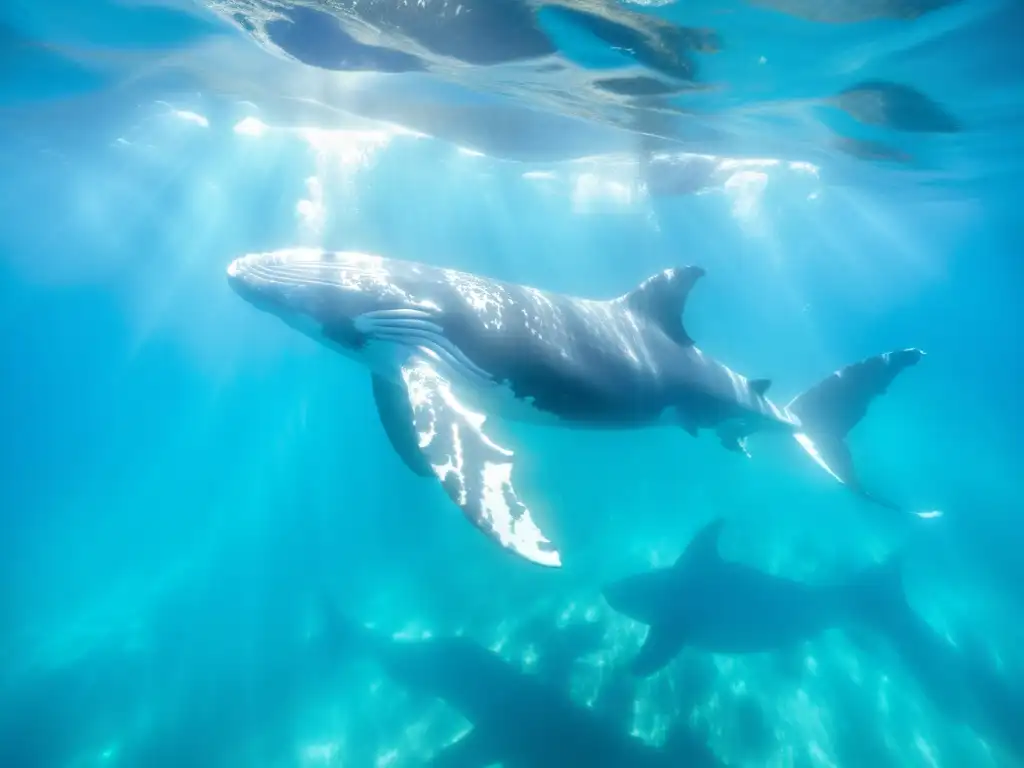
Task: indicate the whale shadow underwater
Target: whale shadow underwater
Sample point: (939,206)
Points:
(703,601)
(519,719)
(449,349)
(961,680)
(718,606)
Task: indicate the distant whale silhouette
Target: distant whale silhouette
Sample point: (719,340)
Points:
(519,720)
(896,106)
(448,349)
(705,602)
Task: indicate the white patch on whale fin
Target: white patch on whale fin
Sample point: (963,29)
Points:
(396,418)
(474,471)
(662,298)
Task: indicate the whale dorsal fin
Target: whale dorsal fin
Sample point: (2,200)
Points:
(703,547)
(760,386)
(662,298)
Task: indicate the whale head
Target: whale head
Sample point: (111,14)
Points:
(319,293)
(306,281)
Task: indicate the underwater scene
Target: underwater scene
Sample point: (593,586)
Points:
(524,383)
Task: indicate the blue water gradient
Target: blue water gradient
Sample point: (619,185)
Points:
(183,478)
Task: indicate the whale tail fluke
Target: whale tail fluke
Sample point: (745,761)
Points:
(832,407)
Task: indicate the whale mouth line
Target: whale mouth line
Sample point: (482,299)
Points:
(303,273)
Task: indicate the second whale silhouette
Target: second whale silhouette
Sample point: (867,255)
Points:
(705,602)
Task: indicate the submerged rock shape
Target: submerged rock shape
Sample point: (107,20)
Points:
(395,36)
(640,85)
(853,11)
(896,106)
(317,39)
(873,151)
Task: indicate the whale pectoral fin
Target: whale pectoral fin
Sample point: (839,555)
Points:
(689,423)
(397,419)
(642,596)
(469,751)
(474,471)
(734,444)
(660,646)
(760,386)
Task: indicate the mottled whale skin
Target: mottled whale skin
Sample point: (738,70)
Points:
(448,349)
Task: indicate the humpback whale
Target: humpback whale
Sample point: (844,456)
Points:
(706,602)
(518,719)
(449,349)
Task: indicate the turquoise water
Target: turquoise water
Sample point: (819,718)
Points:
(185,479)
